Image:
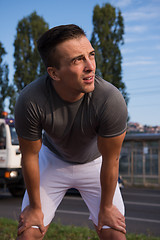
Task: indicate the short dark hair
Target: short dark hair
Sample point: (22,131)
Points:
(50,39)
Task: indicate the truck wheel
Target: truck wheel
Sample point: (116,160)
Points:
(17,190)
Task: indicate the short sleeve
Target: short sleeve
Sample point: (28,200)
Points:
(113,115)
(27,119)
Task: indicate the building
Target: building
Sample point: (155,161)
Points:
(140,159)
(134,127)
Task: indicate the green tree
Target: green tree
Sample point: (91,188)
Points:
(12,98)
(106,38)
(28,64)
(4,80)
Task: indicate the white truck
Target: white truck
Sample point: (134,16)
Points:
(10,158)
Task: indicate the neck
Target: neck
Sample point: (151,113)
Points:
(65,95)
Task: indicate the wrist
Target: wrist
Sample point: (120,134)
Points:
(106,201)
(36,206)
(105,206)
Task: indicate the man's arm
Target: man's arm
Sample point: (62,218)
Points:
(109,215)
(32,215)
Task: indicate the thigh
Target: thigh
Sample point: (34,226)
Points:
(54,183)
(91,192)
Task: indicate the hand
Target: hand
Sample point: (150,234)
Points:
(113,218)
(31,217)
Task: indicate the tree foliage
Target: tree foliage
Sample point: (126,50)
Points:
(4,80)
(106,38)
(28,64)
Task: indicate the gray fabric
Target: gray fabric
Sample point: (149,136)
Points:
(70,129)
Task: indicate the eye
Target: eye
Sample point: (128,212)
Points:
(92,54)
(77,60)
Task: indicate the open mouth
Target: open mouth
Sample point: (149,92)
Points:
(89,79)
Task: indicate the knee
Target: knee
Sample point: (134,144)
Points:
(25,236)
(30,234)
(117,236)
(111,234)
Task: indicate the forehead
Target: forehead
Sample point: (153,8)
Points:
(74,47)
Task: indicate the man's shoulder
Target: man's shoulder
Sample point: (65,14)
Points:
(106,94)
(35,88)
(103,88)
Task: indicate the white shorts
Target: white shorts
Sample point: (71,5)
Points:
(57,176)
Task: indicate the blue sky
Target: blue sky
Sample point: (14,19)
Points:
(141,51)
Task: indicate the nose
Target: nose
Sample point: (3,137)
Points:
(89,65)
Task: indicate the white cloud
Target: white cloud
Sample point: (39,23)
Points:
(151,8)
(142,11)
(140,60)
(127,50)
(121,3)
(153,37)
(142,39)
(139,15)
(136,29)
(138,63)
(157,47)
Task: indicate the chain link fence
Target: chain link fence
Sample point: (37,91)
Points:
(140,160)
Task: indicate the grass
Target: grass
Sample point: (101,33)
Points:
(8,230)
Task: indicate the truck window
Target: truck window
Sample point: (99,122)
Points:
(2,136)
(14,137)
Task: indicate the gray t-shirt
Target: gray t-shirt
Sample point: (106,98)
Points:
(70,129)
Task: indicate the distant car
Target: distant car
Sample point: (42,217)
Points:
(120,182)
(76,192)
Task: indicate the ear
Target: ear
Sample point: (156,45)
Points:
(52,71)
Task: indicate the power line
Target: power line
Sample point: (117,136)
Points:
(144,88)
(147,93)
(141,79)
(144,105)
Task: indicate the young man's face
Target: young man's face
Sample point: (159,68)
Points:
(77,68)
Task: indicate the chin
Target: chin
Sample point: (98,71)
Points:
(89,89)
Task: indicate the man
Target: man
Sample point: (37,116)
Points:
(84,120)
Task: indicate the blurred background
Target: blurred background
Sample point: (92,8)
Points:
(140,52)
(126,38)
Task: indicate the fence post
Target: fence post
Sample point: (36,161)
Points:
(132,163)
(159,162)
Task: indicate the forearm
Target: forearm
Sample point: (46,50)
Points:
(109,214)
(108,177)
(110,149)
(30,168)
(32,215)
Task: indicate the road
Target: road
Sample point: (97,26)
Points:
(142,210)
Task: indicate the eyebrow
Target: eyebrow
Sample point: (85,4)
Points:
(77,57)
(81,56)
